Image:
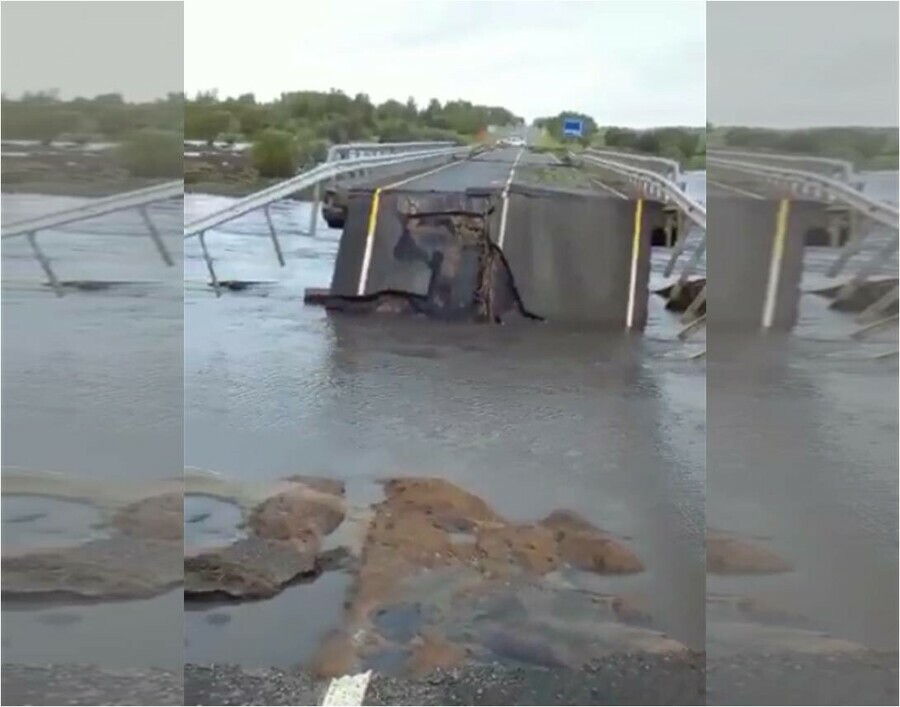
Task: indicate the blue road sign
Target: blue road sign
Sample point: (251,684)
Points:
(573,127)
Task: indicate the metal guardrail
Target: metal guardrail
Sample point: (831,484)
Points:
(657,186)
(96,207)
(666,189)
(822,187)
(667,167)
(841,190)
(843,170)
(831,191)
(654,184)
(354,150)
(139,199)
(368,149)
(313,177)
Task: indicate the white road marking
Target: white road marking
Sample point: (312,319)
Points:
(424,174)
(635,252)
(768,317)
(609,188)
(347,691)
(504,213)
(736,190)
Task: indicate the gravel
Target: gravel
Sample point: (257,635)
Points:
(803,679)
(89,685)
(635,679)
(622,679)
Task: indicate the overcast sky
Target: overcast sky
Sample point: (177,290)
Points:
(88,48)
(629,62)
(623,62)
(802,64)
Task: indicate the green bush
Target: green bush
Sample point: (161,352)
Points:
(153,153)
(311,152)
(274,153)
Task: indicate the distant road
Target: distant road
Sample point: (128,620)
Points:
(493,169)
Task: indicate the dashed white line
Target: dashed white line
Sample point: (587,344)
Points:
(504,213)
(608,188)
(736,190)
(347,691)
(423,174)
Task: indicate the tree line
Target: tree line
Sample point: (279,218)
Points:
(297,128)
(685,144)
(338,117)
(44,117)
(291,131)
(872,148)
(309,121)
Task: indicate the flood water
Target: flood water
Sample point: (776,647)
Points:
(92,388)
(802,452)
(531,418)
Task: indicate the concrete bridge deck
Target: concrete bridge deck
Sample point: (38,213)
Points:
(575,248)
(492,169)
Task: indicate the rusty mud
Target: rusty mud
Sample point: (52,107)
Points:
(131,547)
(443,580)
(748,614)
(435,578)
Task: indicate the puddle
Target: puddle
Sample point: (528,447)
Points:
(400,622)
(284,631)
(116,635)
(211,522)
(43,522)
(361,495)
(459,538)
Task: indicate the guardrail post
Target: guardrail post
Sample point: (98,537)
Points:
(862,332)
(157,239)
(889,298)
(209,264)
(274,236)
(859,229)
(694,307)
(692,326)
(314,214)
(45,264)
(870,266)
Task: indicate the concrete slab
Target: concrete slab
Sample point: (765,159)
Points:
(756,267)
(576,257)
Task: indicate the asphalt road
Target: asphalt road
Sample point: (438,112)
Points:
(628,679)
(491,170)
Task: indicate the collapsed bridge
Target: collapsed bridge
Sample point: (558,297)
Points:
(498,235)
